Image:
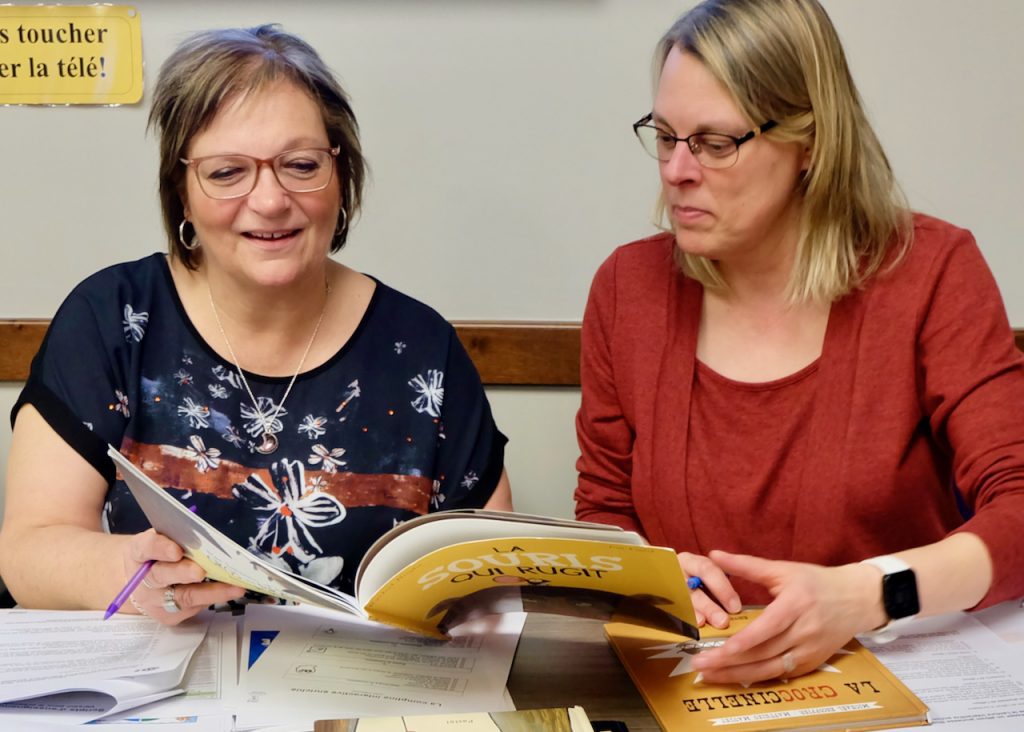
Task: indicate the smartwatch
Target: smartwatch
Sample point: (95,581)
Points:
(899,596)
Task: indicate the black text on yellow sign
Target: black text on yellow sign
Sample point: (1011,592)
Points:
(60,54)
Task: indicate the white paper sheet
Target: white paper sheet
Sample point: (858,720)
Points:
(210,687)
(73,666)
(967,668)
(322,665)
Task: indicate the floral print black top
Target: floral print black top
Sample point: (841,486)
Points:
(394,425)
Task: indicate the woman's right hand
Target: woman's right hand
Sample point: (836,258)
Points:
(172,582)
(716,597)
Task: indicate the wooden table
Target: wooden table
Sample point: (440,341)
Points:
(563,661)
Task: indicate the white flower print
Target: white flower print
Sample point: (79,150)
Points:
(293,507)
(205,458)
(187,360)
(197,414)
(318,483)
(217,391)
(88,425)
(122,403)
(351,392)
(134,324)
(330,459)
(436,496)
(430,390)
(227,375)
(399,347)
(256,417)
(183,377)
(469,480)
(313,426)
(231,435)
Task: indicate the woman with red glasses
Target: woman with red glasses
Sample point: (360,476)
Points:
(301,407)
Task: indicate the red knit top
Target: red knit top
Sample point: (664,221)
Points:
(908,422)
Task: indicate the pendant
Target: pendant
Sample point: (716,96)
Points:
(268,443)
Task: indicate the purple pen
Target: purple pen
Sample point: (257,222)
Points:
(123,595)
(129,588)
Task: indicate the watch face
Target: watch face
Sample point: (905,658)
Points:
(899,594)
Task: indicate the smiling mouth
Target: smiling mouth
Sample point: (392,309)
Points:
(271,236)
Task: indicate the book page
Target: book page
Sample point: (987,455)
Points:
(221,557)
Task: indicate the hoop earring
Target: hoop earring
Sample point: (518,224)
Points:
(190,245)
(344,223)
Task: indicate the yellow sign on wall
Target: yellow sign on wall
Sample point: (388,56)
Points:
(60,54)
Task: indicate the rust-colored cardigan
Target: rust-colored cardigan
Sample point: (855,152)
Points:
(920,393)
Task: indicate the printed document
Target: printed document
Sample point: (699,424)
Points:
(328,665)
(968,668)
(73,666)
(210,687)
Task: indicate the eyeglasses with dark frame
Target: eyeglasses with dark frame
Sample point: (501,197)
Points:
(304,170)
(711,149)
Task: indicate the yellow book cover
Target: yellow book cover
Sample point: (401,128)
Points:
(570,719)
(852,690)
(579,577)
(435,571)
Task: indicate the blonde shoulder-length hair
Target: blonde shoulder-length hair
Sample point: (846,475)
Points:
(782,60)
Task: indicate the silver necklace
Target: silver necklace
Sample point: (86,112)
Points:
(268,441)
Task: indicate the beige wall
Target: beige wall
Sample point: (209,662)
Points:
(504,169)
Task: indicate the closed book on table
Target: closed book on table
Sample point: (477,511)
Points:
(852,690)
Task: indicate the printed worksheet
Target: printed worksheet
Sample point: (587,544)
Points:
(328,666)
(210,685)
(73,666)
(968,670)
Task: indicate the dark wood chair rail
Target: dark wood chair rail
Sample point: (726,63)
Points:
(513,353)
(516,353)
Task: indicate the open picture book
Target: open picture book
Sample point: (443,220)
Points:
(433,572)
(852,690)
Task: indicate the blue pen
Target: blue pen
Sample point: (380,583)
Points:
(124,594)
(694,583)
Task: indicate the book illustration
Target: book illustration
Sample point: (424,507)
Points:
(435,571)
(571,719)
(851,690)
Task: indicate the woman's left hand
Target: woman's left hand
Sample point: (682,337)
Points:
(815,611)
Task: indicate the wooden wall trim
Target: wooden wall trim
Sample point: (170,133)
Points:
(19,341)
(518,353)
(506,353)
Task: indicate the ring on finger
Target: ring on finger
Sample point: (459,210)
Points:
(170,604)
(788,662)
(145,583)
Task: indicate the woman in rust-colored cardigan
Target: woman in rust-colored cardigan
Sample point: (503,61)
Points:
(810,393)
